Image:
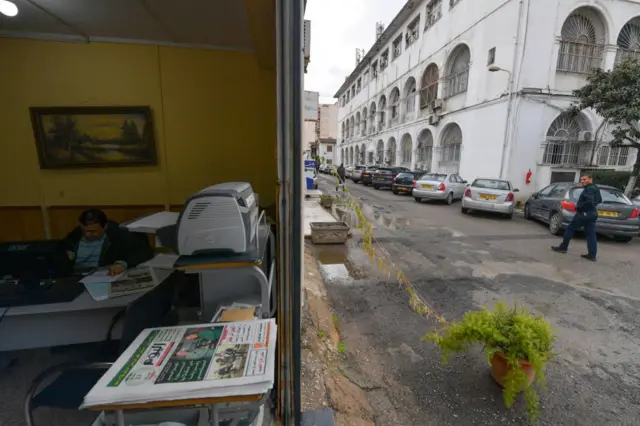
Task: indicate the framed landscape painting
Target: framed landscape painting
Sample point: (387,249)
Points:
(74,137)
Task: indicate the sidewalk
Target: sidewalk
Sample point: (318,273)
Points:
(323,383)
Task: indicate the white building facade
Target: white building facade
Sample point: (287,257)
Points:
(328,118)
(482,88)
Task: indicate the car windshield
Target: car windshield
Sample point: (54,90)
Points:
(434,177)
(405,175)
(609,195)
(492,184)
(360,167)
(385,170)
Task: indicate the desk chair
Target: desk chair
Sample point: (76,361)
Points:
(76,378)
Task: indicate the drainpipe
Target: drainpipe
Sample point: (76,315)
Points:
(507,127)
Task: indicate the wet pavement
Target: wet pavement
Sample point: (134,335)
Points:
(460,263)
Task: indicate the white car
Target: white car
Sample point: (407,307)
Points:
(439,186)
(490,195)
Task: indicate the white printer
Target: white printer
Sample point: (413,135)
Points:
(220,217)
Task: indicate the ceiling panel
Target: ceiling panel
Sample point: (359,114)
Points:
(30,18)
(218,23)
(215,23)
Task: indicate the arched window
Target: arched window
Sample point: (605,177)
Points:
(429,86)
(380,152)
(409,100)
(457,72)
(582,41)
(372,118)
(407,147)
(357,155)
(363,151)
(425,149)
(352,127)
(382,107)
(347,128)
(364,121)
(358,119)
(394,104)
(629,41)
(451,147)
(391,152)
(563,142)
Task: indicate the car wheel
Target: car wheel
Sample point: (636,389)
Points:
(376,187)
(418,199)
(365,184)
(509,216)
(527,213)
(449,199)
(464,210)
(395,192)
(555,224)
(623,239)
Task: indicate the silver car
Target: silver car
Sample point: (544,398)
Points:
(439,186)
(489,195)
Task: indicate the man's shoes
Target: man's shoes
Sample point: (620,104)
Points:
(588,257)
(558,249)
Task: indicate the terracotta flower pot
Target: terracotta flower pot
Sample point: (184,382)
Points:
(500,368)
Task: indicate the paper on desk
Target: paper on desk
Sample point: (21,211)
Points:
(100,276)
(98,291)
(161,261)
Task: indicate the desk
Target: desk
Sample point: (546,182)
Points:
(83,320)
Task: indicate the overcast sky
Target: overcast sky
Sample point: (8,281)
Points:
(338,27)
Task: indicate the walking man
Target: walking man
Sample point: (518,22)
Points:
(585,217)
(341,175)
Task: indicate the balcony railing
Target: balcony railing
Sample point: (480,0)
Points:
(624,54)
(579,57)
(567,153)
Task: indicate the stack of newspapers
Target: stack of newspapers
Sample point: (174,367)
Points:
(191,362)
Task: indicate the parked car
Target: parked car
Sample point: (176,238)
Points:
(404,182)
(356,175)
(383,177)
(367,175)
(348,171)
(439,186)
(490,195)
(555,205)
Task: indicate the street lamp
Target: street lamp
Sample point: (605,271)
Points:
(505,143)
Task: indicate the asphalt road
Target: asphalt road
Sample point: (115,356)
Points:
(460,263)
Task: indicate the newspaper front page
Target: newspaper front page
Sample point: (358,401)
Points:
(195,361)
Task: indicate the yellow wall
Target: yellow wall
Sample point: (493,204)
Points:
(214,116)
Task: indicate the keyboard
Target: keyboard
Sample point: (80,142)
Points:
(39,292)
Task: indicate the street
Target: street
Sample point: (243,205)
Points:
(459,263)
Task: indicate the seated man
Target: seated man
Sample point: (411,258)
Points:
(99,242)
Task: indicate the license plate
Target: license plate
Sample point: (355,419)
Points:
(427,186)
(403,189)
(607,213)
(379,178)
(488,197)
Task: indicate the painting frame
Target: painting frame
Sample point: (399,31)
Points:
(142,150)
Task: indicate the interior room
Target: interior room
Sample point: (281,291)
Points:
(130,107)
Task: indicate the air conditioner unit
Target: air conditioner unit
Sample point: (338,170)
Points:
(434,120)
(437,104)
(585,136)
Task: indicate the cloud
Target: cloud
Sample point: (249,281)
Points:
(338,27)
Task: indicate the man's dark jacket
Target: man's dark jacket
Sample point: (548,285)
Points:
(119,245)
(589,200)
(341,173)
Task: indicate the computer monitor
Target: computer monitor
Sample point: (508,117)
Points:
(34,260)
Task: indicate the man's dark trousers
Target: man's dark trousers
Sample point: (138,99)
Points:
(579,221)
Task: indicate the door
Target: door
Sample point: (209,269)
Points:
(459,186)
(548,203)
(535,205)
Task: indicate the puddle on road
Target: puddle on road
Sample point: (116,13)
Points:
(335,265)
(375,216)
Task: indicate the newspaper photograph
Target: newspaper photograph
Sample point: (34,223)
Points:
(133,281)
(183,362)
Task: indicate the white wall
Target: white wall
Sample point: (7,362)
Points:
(328,121)
(329,157)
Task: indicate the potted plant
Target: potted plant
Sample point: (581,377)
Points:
(326,201)
(517,344)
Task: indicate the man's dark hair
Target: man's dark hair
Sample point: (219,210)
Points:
(587,175)
(91,216)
